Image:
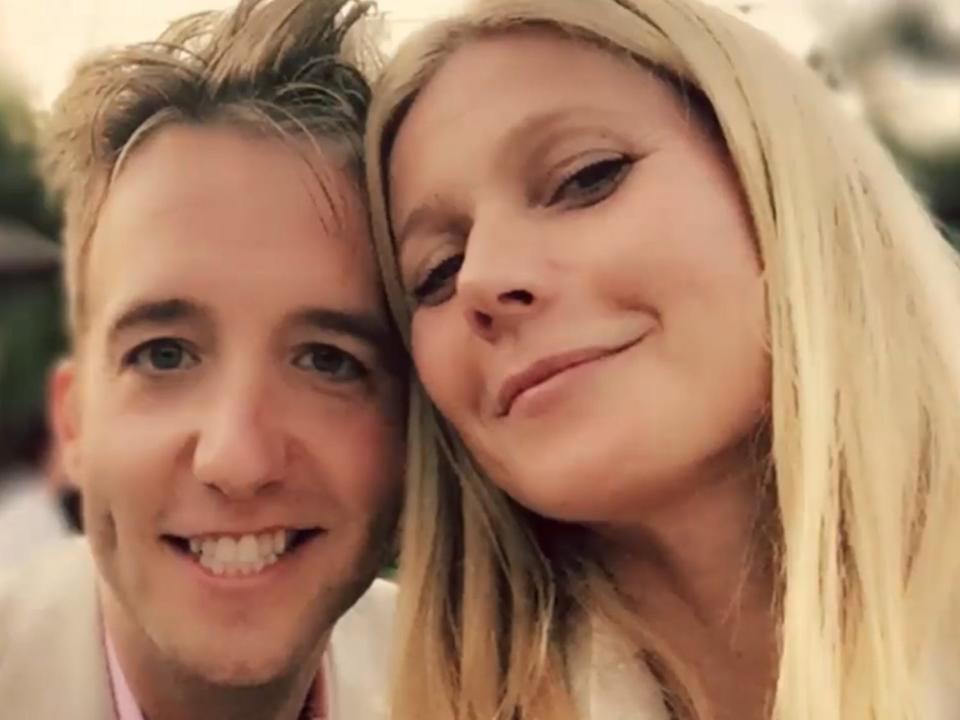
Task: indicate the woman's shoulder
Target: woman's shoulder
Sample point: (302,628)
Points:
(360,654)
(366,628)
(609,681)
(943,690)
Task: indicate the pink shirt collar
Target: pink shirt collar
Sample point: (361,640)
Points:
(126,706)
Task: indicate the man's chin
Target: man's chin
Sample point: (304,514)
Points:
(237,671)
(238,659)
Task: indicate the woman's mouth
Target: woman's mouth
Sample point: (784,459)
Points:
(547,368)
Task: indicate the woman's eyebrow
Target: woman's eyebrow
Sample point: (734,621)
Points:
(433,215)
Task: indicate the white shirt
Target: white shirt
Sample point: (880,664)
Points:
(358,659)
(609,683)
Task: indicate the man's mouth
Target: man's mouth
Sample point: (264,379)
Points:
(233,555)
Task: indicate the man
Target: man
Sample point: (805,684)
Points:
(233,409)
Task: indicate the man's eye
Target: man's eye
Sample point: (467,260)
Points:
(337,364)
(163,355)
(439,283)
(593,183)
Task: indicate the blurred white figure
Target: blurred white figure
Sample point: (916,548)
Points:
(32,507)
(30,517)
(902,59)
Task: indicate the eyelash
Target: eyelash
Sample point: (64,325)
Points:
(356,370)
(135,358)
(437,277)
(348,367)
(613,170)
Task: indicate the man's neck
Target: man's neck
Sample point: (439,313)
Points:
(165,691)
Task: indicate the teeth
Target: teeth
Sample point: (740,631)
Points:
(227,550)
(248,549)
(246,555)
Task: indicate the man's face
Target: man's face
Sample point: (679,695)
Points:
(231,416)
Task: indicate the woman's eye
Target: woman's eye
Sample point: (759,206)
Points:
(593,183)
(163,355)
(331,361)
(439,283)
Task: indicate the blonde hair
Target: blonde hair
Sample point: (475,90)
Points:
(863,298)
(285,66)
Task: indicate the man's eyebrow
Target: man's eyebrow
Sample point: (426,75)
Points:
(362,325)
(154,313)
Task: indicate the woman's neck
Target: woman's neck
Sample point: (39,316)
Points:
(700,573)
(709,549)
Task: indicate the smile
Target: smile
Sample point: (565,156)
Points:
(236,555)
(548,368)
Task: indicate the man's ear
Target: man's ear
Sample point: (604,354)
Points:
(64,413)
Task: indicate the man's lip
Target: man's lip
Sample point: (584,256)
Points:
(547,367)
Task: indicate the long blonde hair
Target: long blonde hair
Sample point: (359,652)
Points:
(863,301)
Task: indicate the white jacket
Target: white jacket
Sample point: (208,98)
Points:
(53,665)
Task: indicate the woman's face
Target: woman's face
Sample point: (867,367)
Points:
(589,307)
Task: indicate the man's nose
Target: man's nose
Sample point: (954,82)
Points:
(241,446)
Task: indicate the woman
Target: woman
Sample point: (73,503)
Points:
(690,439)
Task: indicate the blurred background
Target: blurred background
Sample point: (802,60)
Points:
(893,63)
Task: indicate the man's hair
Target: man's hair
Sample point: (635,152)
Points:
(268,66)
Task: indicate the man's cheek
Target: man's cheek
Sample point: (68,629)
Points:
(98,518)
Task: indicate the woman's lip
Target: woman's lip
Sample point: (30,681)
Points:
(548,367)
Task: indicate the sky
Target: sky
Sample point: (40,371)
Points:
(40,40)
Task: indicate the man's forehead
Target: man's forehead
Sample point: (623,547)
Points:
(181,167)
(364,323)
(187,170)
(252,211)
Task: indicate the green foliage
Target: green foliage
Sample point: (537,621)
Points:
(937,178)
(909,35)
(31,335)
(22,193)
(31,338)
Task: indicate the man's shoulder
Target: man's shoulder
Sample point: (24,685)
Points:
(51,657)
(361,651)
(53,581)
